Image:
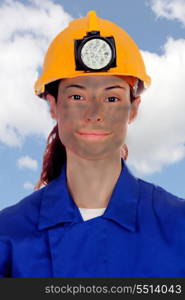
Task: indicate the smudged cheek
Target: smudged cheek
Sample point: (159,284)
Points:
(119,115)
(69,121)
(118,120)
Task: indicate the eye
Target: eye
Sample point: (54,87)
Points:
(112,99)
(76,97)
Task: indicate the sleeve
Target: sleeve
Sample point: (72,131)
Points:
(5,269)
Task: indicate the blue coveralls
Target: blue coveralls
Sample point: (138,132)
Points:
(140,234)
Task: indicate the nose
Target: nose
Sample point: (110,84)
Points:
(94,113)
(92,119)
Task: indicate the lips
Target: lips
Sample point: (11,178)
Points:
(95,133)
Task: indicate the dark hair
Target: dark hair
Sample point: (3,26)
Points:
(52,89)
(55,152)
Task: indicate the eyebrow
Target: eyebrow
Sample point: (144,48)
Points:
(75,86)
(115,87)
(84,88)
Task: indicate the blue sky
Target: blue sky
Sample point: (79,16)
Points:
(156,141)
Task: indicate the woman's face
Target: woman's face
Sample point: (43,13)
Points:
(98,104)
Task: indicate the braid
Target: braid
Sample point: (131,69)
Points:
(54,158)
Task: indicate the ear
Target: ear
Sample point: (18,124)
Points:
(134,109)
(53,106)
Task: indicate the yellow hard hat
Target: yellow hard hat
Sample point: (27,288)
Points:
(92,46)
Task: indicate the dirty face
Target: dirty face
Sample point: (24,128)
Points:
(93,113)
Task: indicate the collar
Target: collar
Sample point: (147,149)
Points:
(57,205)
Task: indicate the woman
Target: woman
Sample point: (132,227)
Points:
(92,218)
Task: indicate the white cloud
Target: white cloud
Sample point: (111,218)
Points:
(27,162)
(28,185)
(25,33)
(157,138)
(170,9)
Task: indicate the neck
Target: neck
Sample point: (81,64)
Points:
(91,182)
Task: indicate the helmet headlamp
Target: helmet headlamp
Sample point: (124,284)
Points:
(95,53)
